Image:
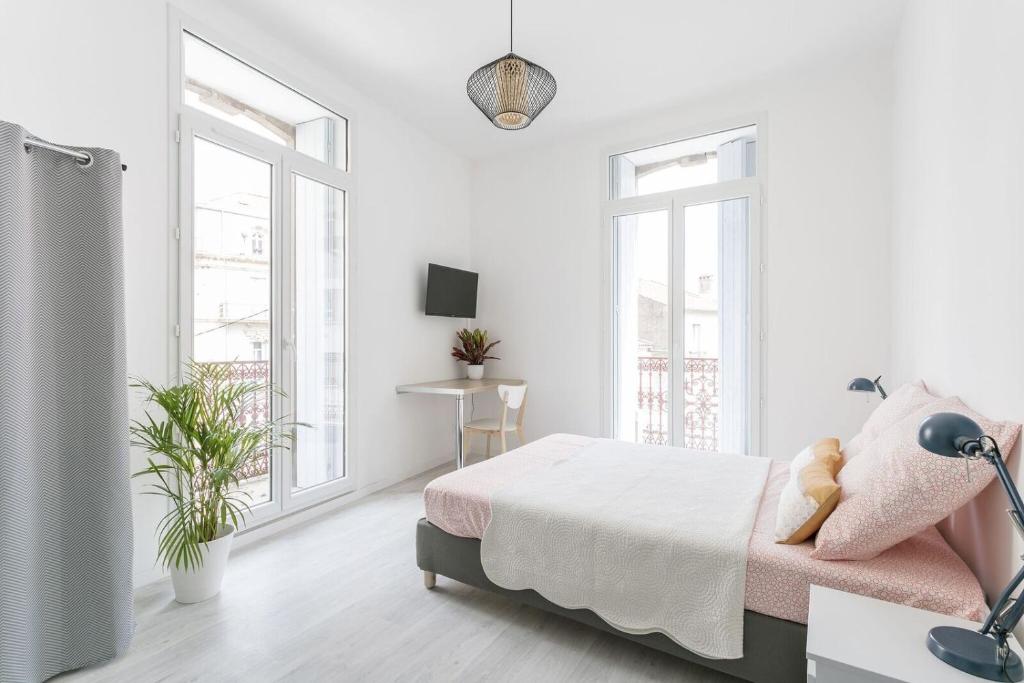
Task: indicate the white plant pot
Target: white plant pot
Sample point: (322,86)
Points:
(475,371)
(202,584)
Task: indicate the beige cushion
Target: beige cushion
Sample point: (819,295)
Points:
(811,494)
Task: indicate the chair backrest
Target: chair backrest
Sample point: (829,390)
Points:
(512,395)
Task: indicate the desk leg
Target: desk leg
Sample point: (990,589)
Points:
(460,455)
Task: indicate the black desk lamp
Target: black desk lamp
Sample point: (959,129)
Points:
(865,384)
(983,653)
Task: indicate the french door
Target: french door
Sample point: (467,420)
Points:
(263,294)
(685,332)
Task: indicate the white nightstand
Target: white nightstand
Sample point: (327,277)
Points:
(853,638)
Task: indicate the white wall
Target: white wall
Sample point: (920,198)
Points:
(96,74)
(537,243)
(957,145)
(957,245)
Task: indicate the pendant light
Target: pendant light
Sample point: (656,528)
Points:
(511,91)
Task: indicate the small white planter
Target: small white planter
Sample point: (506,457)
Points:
(195,586)
(475,371)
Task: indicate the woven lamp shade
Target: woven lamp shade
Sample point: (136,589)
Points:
(511,91)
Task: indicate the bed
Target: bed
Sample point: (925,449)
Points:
(922,571)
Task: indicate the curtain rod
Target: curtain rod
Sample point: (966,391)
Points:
(83,158)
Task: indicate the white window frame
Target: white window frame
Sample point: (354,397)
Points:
(185,124)
(675,203)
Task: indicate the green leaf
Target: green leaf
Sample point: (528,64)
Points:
(197,454)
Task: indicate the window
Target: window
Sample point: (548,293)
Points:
(684,163)
(264,217)
(227,88)
(683,293)
(320,317)
(229,187)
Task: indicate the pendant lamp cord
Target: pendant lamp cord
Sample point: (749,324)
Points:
(510,25)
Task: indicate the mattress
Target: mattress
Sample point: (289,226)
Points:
(922,571)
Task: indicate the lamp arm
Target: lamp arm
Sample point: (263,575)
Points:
(1006,618)
(1007,621)
(878,385)
(995,457)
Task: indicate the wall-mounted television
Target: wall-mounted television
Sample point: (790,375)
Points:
(451,292)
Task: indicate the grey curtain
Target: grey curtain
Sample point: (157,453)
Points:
(65,506)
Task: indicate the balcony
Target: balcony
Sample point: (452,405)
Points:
(701,383)
(257,410)
(700,402)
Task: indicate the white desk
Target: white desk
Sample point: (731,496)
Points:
(856,639)
(459,388)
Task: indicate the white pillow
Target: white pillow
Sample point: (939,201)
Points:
(811,494)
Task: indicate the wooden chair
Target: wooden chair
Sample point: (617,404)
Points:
(513,396)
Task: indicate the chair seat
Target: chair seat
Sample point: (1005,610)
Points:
(489,424)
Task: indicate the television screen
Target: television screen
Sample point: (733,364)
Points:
(451,292)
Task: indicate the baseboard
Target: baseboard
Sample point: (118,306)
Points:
(284,523)
(147,577)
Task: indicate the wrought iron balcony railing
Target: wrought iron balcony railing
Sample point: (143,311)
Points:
(256,411)
(701,382)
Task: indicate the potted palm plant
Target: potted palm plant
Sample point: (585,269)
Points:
(474,351)
(197,455)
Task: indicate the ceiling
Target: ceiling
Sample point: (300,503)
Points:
(611,59)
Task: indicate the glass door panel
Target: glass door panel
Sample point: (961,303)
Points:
(715,327)
(231,276)
(642,324)
(318,453)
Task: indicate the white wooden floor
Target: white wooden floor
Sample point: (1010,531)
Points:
(341,598)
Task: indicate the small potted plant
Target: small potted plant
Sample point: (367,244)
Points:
(202,447)
(474,351)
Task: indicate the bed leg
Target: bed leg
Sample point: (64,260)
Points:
(429,579)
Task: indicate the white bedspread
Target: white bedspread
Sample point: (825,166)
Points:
(650,538)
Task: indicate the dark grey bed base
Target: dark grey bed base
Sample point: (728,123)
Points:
(774,649)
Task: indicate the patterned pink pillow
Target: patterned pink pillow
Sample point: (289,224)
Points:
(895,488)
(902,402)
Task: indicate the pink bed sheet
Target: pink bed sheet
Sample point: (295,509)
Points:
(922,571)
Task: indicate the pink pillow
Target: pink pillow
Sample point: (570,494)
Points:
(895,488)
(902,402)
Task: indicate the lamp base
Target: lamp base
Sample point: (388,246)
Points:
(974,653)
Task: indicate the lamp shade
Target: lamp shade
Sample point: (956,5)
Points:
(946,433)
(860,384)
(511,91)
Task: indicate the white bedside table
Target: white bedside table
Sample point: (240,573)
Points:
(851,638)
